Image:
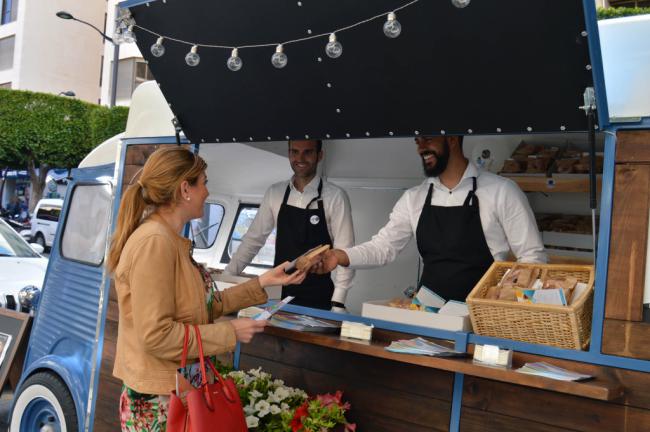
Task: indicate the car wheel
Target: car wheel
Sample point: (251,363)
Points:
(44,404)
(40,239)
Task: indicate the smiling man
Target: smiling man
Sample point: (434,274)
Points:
(462,218)
(307,211)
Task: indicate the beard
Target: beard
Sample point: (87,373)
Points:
(441,162)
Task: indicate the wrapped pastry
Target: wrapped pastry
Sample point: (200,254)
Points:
(512,166)
(566,166)
(492,293)
(537,165)
(508,292)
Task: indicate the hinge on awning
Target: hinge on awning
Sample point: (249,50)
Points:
(177,130)
(589,108)
(590,100)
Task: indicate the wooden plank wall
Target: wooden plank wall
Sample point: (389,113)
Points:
(107,405)
(624,332)
(385,395)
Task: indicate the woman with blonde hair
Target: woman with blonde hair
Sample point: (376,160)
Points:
(160,288)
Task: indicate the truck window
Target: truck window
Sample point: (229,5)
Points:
(86,225)
(245,215)
(204,230)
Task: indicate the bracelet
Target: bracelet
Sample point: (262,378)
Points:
(338,304)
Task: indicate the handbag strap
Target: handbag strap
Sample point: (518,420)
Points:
(186,342)
(204,376)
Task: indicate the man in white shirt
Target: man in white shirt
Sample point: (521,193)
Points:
(463,220)
(307,211)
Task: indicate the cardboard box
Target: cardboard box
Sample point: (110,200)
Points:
(379,309)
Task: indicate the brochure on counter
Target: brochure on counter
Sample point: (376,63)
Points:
(423,347)
(303,323)
(554,372)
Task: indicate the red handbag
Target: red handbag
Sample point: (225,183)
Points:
(212,407)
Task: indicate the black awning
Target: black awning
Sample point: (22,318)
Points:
(507,66)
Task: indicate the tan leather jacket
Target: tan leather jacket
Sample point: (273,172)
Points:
(159,289)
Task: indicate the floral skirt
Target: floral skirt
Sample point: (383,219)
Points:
(143,412)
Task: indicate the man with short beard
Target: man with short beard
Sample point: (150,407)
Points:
(462,218)
(307,211)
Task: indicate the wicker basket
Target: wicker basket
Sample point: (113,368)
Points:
(560,326)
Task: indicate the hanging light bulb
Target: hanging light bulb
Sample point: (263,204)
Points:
(192,58)
(158,49)
(234,63)
(392,27)
(279,58)
(333,48)
(128,35)
(460,3)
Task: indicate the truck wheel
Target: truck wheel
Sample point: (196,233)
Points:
(40,239)
(44,404)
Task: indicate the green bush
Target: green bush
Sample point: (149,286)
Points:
(619,12)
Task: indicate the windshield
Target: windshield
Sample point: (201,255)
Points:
(12,245)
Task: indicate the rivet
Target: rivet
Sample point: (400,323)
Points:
(588,67)
(329,85)
(529,129)
(327,135)
(367,133)
(562,128)
(268,138)
(499,130)
(320,59)
(234,139)
(306,136)
(596,127)
(391,133)
(299,3)
(347,135)
(442,132)
(338,111)
(287,137)
(217,139)
(308,31)
(470,131)
(202,140)
(583,33)
(169,104)
(417,132)
(250,138)
(148,4)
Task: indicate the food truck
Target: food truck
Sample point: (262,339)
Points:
(510,77)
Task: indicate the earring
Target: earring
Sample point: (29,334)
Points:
(188,198)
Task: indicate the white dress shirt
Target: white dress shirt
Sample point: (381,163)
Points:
(338,215)
(506,217)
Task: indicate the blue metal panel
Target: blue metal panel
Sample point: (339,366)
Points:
(63,334)
(131,3)
(153,140)
(456,402)
(597,70)
(602,260)
(235,361)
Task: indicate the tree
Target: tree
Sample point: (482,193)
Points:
(42,131)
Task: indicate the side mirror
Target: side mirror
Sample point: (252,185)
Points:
(37,248)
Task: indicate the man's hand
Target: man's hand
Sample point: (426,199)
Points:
(330,260)
(246,328)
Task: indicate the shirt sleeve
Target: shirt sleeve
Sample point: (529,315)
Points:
(342,232)
(153,298)
(254,238)
(519,225)
(240,296)
(384,246)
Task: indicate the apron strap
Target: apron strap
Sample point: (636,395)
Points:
(471,199)
(427,200)
(318,197)
(286,194)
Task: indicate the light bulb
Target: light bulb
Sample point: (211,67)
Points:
(234,63)
(128,35)
(158,49)
(279,58)
(192,58)
(460,3)
(392,27)
(333,48)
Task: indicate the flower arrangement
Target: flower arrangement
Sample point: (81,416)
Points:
(271,406)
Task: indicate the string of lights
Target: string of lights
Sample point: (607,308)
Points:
(391,28)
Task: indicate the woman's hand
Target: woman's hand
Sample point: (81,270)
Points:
(277,276)
(246,328)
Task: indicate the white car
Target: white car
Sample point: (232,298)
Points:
(22,268)
(45,221)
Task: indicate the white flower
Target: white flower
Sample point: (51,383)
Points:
(281,393)
(255,394)
(252,421)
(263,408)
(275,409)
(284,406)
(278,382)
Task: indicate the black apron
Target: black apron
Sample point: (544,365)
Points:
(453,247)
(299,230)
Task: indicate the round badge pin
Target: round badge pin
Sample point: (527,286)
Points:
(314,219)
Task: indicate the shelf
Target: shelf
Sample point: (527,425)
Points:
(598,388)
(557,183)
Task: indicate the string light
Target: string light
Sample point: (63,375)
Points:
(279,58)
(234,63)
(333,48)
(158,49)
(192,58)
(391,28)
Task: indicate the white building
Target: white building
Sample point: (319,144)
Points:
(41,52)
(132,69)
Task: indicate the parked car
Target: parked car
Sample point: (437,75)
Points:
(45,221)
(22,268)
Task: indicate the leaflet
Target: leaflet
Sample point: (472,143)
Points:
(554,372)
(269,311)
(422,346)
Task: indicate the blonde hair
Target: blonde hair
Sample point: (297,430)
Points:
(158,185)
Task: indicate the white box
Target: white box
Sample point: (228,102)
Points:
(379,309)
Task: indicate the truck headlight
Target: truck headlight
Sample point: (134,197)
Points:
(28,297)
